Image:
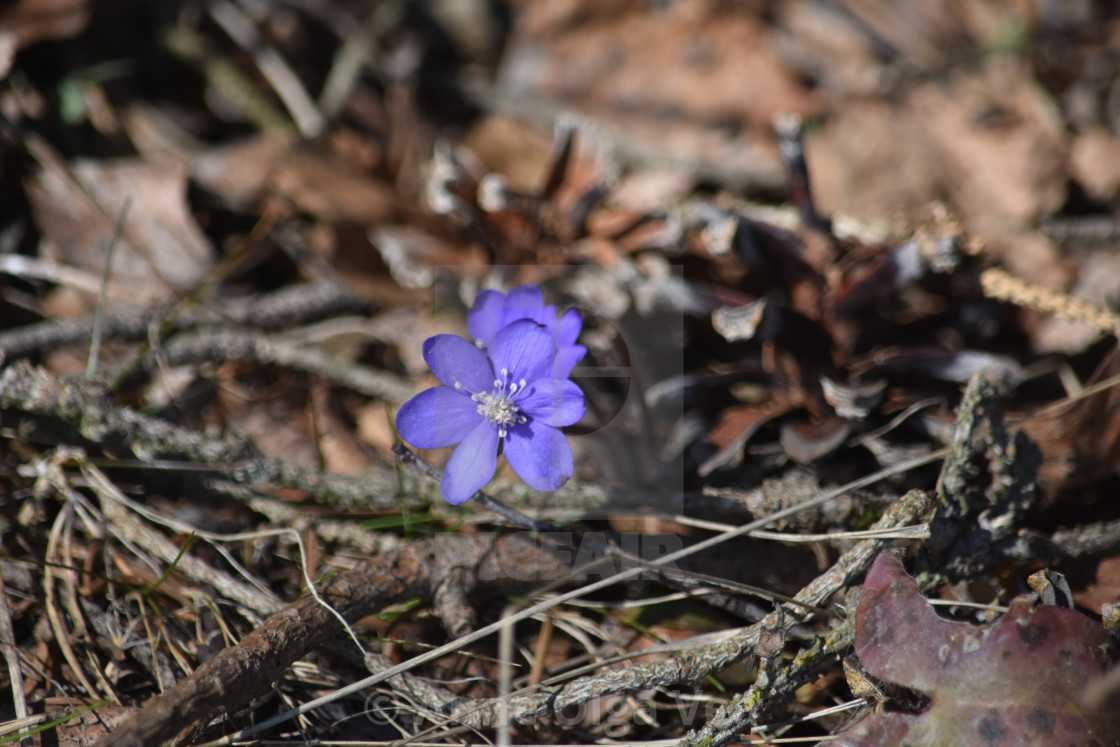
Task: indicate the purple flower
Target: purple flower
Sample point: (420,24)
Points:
(507,395)
(492,311)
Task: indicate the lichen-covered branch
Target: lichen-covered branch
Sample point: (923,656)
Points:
(229,343)
(774,686)
(300,304)
(248,670)
(88,408)
(693,664)
(987,485)
(97,418)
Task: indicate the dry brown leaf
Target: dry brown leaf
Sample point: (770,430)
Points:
(691,80)
(162,252)
(1001,144)
(238,173)
(276,419)
(333,190)
(1105,588)
(339,447)
(375,426)
(1095,162)
(1080,443)
(991,142)
(89,727)
(686,62)
(511,147)
(27,21)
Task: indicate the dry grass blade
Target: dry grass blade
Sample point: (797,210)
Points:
(15,672)
(219,544)
(58,571)
(21,724)
(725,653)
(285,82)
(247,669)
(126,524)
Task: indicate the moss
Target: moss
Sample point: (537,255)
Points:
(864,517)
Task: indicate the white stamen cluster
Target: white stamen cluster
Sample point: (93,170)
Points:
(497,406)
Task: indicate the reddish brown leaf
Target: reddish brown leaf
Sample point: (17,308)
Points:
(1018,680)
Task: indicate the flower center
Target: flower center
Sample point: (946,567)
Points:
(498,406)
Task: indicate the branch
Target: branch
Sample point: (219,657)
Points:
(85,406)
(291,306)
(695,663)
(225,344)
(238,674)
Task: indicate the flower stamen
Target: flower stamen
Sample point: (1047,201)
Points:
(498,406)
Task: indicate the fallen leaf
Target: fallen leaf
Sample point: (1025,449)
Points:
(333,190)
(1017,680)
(28,21)
(671,80)
(1105,588)
(161,253)
(238,173)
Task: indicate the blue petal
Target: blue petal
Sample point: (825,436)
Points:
(524,302)
(555,402)
(566,359)
(568,328)
(437,417)
(525,349)
(545,315)
(540,455)
(453,359)
(472,464)
(486,316)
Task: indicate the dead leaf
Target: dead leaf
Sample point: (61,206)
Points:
(333,190)
(339,447)
(1105,588)
(375,426)
(25,22)
(1017,680)
(238,173)
(510,147)
(671,79)
(162,252)
(1095,162)
(1080,443)
(991,142)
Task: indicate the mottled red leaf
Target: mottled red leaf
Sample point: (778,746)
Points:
(1017,680)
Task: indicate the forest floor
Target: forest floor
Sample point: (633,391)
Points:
(846,272)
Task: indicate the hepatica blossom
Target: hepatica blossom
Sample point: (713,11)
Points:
(507,397)
(493,310)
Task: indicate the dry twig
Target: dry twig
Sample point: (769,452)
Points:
(238,674)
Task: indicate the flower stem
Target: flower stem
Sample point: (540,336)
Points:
(688,581)
(484,500)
